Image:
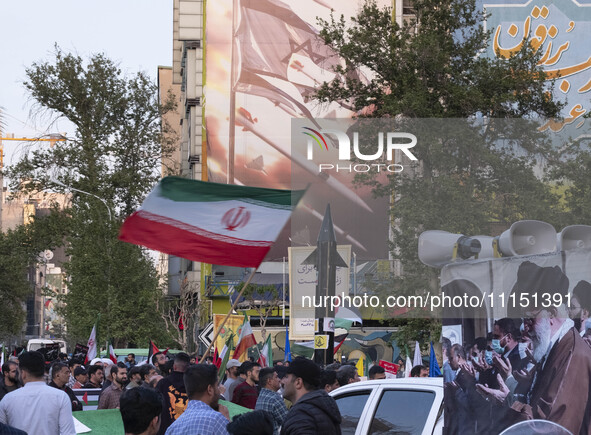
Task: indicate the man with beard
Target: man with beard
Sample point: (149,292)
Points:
(204,415)
(109,398)
(559,389)
(246,393)
(580,306)
(9,380)
(459,394)
(313,410)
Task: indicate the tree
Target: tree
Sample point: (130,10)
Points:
(109,164)
(436,67)
(181,315)
(264,299)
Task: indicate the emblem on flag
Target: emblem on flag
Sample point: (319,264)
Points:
(236,217)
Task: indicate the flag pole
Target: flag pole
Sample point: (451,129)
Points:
(283,305)
(232,120)
(98,347)
(228,315)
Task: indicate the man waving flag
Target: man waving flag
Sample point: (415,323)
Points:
(214,223)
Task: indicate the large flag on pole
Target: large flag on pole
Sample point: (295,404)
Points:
(266,359)
(245,340)
(210,222)
(91,354)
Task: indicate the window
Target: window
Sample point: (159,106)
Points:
(402,412)
(351,407)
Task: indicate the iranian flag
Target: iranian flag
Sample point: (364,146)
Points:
(215,223)
(112,355)
(266,358)
(245,340)
(91,354)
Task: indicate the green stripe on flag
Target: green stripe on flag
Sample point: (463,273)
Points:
(185,190)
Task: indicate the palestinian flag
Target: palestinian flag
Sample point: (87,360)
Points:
(245,340)
(152,349)
(338,342)
(214,223)
(216,358)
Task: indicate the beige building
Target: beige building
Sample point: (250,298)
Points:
(185,82)
(42,318)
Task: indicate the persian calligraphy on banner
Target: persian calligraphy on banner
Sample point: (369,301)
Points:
(559,32)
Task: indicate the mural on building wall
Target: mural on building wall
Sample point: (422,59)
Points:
(372,345)
(263,61)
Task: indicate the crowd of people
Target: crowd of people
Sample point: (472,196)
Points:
(536,367)
(176,396)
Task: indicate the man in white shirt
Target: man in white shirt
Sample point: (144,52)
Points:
(37,408)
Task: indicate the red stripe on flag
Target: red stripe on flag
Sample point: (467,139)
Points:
(245,343)
(186,244)
(85,397)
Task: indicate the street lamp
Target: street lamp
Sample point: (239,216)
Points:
(59,183)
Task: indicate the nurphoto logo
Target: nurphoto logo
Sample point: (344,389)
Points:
(387,142)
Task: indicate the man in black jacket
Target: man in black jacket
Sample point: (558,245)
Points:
(314,411)
(60,374)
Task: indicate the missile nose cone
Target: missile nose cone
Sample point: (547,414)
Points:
(326,233)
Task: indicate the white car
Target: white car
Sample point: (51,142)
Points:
(401,406)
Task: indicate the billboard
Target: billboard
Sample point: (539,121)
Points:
(302,284)
(263,61)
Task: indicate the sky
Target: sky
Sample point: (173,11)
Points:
(137,34)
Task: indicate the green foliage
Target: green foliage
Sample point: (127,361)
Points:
(417,329)
(431,67)
(254,298)
(113,157)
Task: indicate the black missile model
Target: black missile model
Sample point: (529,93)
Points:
(325,259)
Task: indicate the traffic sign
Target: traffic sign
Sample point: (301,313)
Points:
(206,335)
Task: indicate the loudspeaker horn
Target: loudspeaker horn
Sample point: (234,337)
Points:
(528,237)
(574,237)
